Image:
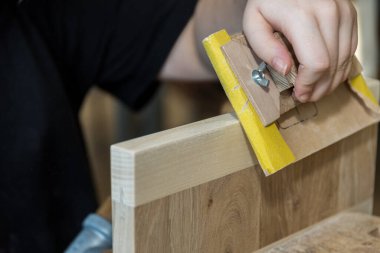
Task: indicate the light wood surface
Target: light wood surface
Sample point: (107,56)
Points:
(242,61)
(245,210)
(272,101)
(198,188)
(158,165)
(344,232)
(338,115)
(155,166)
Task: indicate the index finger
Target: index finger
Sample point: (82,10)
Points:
(301,29)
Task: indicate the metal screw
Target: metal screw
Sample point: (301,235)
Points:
(258,75)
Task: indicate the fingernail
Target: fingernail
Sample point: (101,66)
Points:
(279,65)
(303,98)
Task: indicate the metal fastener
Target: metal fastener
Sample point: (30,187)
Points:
(258,75)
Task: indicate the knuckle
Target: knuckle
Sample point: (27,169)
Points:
(344,62)
(336,83)
(320,65)
(303,15)
(345,75)
(342,80)
(352,11)
(329,8)
(348,10)
(321,90)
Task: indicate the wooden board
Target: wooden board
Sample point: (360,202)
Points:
(345,232)
(198,188)
(155,166)
(242,61)
(161,164)
(276,99)
(241,211)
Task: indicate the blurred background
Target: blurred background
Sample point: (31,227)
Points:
(106,121)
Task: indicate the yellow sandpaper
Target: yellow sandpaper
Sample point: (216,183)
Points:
(268,144)
(359,84)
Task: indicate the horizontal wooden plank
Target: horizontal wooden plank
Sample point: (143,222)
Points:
(158,165)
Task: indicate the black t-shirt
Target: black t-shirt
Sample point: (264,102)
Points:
(51,53)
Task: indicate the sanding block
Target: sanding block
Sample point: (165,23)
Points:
(271,98)
(280,129)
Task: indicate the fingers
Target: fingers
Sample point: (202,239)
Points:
(260,36)
(354,43)
(348,37)
(329,27)
(312,53)
(323,35)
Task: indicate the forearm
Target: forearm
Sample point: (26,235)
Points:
(184,62)
(188,60)
(213,15)
(323,35)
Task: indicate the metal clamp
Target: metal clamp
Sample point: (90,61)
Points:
(259,77)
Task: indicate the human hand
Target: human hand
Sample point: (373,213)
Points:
(323,34)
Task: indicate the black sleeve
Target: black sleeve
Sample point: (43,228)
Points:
(118,44)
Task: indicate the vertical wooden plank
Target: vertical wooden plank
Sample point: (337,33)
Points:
(123,225)
(241,211)
(153,227)
(231,207)
(219,216)
(242,61)
(299,195)
(357,167)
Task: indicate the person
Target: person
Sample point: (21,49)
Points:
(53,51)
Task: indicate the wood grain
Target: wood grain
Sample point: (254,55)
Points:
(285,82)
(155,166)
(158,165)
(344,232)
(123,227)
(198,188)
(207,218)
(292,206)
(357,181)
(276,99)
(266,101)
(269,102)
(338,115)
(245,211)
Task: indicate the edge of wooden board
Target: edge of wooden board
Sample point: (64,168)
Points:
(155,166)
(363,208)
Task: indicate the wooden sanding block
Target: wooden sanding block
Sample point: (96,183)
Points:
(281,130)
(271,101)
(276,99)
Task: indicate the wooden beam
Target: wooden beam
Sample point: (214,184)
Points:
(158,165)
(155,166)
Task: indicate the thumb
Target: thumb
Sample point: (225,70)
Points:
(265,44)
